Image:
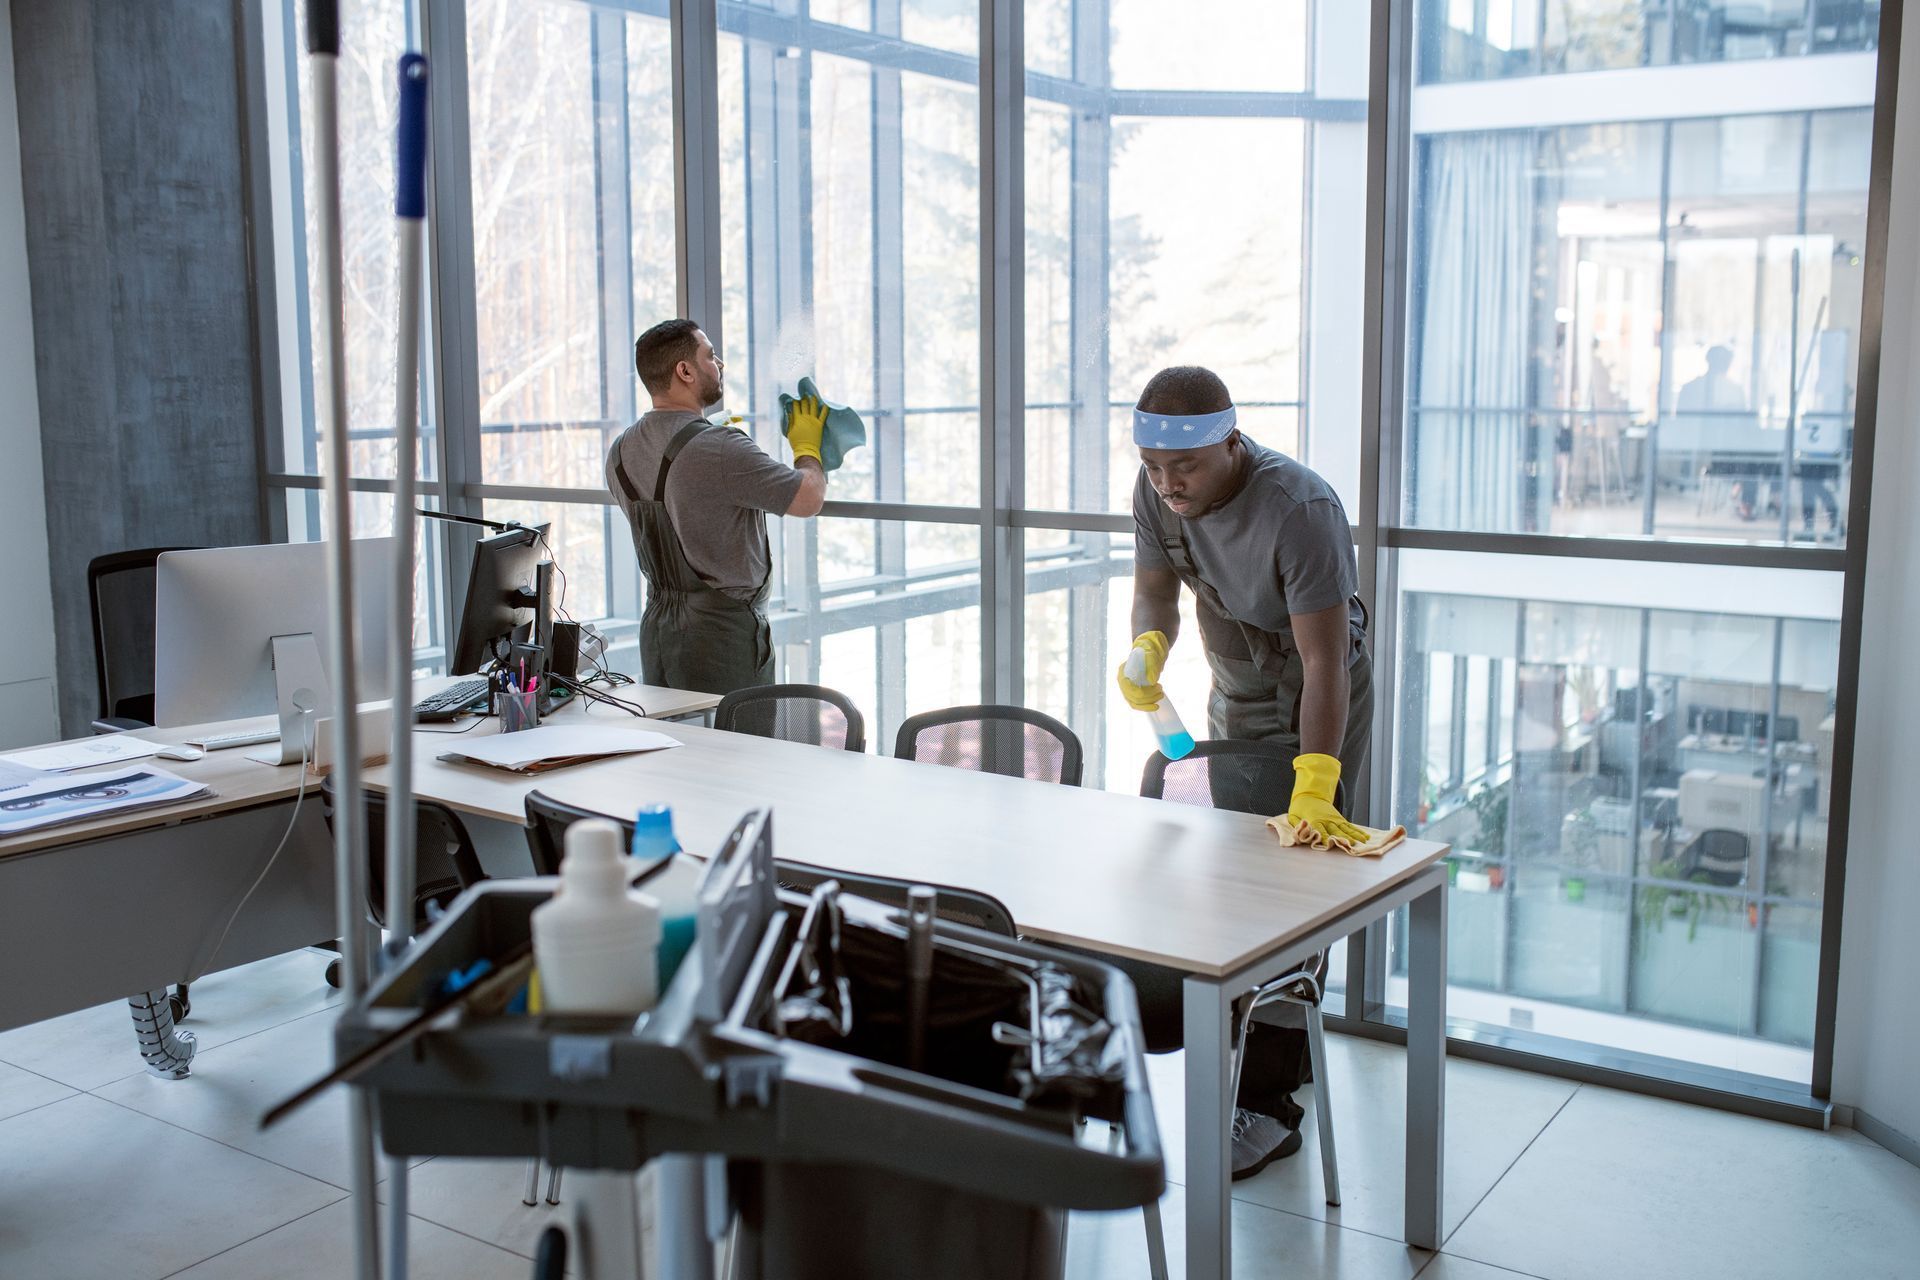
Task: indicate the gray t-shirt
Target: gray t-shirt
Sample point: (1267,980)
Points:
(1280,546)
(719,491)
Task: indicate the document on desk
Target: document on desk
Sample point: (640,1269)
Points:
(56,800)
(14,776)
(85,753)
(553,745)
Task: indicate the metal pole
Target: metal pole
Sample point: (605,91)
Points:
(350,880)
(410,212)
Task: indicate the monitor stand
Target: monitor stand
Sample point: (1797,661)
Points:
(301,692)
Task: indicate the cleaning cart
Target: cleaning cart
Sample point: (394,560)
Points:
(771,1082)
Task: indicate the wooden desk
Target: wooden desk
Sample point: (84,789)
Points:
(97,910)
(1206,892)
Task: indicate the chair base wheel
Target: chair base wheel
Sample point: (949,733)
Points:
(333,974)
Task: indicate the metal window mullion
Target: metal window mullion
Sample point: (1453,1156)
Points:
(1669,274)
(696,163)
(888,148)
(1090,135)
(1382,420)
(1760,864)
(613,206)
(452,369)
(791,197)
(1002,106)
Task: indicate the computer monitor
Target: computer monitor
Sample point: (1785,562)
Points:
(503,604)
(216,613)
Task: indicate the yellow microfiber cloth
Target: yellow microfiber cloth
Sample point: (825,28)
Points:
(1303,836)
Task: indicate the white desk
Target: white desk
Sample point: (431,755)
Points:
(1206,892)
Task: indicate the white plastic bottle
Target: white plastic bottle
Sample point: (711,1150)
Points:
(1175,742)
(676,886)
(596,942)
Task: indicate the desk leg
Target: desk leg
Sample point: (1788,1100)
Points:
(1426,1063)
(1209,1124)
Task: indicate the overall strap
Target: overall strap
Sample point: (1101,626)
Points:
(674,446)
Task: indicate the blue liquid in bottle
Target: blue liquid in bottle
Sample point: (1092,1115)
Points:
(1175,742)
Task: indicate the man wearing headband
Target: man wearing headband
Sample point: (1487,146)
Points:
(1266,548)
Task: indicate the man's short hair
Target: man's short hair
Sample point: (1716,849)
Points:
(1185,389)
(657,351)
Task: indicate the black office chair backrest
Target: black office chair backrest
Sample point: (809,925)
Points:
(809,713)
(120,596)
(445,860)
(1013,741)
(962,906)
(1228,773)
(1716,856)
(547,823)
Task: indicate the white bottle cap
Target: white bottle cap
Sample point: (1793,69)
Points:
(595,861)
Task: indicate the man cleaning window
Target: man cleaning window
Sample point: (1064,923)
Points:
(1265,546)
(697,494)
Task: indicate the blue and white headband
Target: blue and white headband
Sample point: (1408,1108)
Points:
(1192,431)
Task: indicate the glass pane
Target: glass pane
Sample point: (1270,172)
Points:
(1464,40)
(1214,44)
(1692,375)
(371,37)
(572,226)
(850,248)
(1639,858)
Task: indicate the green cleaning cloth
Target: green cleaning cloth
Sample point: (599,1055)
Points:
(845,432)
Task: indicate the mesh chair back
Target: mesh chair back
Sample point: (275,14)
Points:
(445,860)
(1012,741)
(547,823)
(1717,856)
(120,595)
(808,713)
(961,906)
(1224,773)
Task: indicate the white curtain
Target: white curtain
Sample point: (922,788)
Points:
(1468,422)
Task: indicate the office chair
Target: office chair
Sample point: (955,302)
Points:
(1011,741)
(1716,856)
(120,597)
(445,860)
(970,907)
(810,713)
(1248,777)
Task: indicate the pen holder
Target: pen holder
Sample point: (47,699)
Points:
(518,710)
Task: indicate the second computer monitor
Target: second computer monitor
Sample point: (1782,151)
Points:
(501,594)
(217,611)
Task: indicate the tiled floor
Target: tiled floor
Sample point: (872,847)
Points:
(105,1171)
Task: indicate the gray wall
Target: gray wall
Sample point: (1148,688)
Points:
(131,167)
(26,685)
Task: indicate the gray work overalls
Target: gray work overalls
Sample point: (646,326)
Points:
(1257,682)
(692,636)
(1258,679)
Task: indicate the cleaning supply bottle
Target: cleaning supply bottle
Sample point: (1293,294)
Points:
(596,943)
(675,886)
(1175,742)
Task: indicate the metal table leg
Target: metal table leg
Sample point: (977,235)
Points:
(1208,1016)
(1426,1063)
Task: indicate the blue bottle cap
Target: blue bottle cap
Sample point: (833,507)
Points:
(653,825)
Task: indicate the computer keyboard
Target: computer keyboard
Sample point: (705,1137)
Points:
(225,741)
(450,701)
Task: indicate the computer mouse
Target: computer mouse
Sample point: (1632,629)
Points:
(180,753)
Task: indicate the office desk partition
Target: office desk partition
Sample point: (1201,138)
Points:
(1206,892)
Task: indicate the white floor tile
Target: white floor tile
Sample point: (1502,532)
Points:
(1447,1267)
(91,1189)
(232,1085)
(23,1091)
(1492,1114)
(95,1046)
(1266,1243)
(1626,1185)
(320,1247)
(481,1198)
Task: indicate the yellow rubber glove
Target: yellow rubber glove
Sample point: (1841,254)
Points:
(1314,778)
(1152,648)
(806,423)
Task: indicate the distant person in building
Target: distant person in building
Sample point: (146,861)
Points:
(697,494)
(1267,550)
(1713,394)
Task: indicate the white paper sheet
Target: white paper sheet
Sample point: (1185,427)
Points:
(58,800)
(86,753)
(531,747)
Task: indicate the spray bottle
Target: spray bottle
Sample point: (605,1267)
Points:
(1175,742)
